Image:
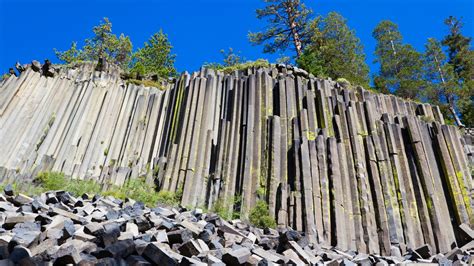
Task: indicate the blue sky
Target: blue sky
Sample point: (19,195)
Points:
(199,29)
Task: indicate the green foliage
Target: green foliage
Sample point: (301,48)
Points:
(344,82)
(155,57)
(52,180)
(287,22)
(79,187)
(104,44)
(57,181)
(461,60)
(283,59)
(427,119)
(70,56)
(24,188)
(466,108)
(441,85)
(458,47)
(231,58)
(260,216)
(136,189)
(146,83)
(242,66)
(224,208)
(5,76)
(168,198)
(335,51)
(401,66)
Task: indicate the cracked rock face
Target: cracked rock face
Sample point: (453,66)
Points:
(347,167)
(170,236)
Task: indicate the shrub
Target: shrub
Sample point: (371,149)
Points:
(57,181)
(79,187)
(344,82)
(136,189)
(224,210)
(167,198)
(260,216)
(52,181)
(241,66)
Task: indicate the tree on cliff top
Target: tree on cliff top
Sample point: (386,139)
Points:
(155,57)
(400,64)
(287,23)
(335,51)
(461,59)
(104,44)
(442,86)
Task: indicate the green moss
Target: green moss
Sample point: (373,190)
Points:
(311,135)
(427,119)
(465,194)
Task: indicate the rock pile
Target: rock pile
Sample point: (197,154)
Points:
(59,228)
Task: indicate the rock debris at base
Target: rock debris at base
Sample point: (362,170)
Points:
(57,228)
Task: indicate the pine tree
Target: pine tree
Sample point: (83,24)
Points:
(461,58)
(335,51)
(104,44)
(441,82)
(155,57)
(287,21)
(401,66)
(231,58)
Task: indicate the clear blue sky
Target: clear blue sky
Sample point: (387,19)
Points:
(199,29)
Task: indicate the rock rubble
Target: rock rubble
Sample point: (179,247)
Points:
(58,228)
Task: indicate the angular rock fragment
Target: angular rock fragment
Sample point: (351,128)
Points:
(236,257)
(158,254)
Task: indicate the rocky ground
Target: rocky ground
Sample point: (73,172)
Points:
(59,228)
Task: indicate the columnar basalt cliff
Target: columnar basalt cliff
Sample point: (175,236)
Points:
(351,168)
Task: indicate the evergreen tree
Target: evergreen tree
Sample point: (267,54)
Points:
(335,51)
(287,21)
(155,57)
(442,86)
(231,58)
(104,44)
(461,58)
(401,66)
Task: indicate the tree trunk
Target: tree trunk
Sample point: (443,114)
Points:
(291,13)
(296,40)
